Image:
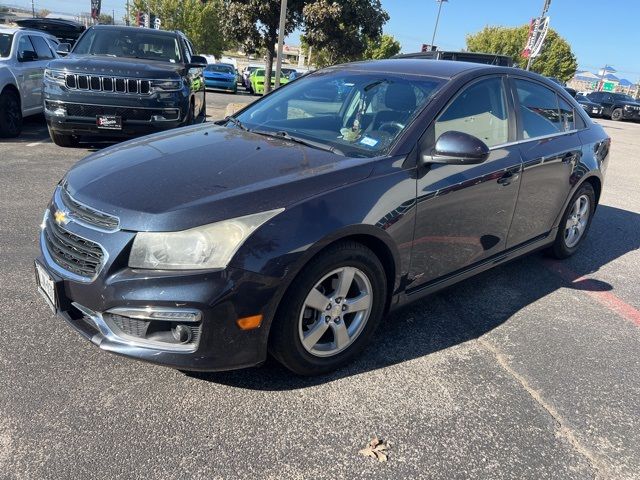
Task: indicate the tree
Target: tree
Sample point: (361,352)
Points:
(104,19)
(43,13)
(385,47)
(555,60)
(341,30)
(254,24)
(201,22)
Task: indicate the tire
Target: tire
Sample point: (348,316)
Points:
(62,140)
(190,115)
(566,245)
(616,115)
(10,114)
(295,319)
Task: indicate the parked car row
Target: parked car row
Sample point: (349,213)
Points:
(253,78)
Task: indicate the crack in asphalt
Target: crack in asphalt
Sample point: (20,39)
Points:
(563,431)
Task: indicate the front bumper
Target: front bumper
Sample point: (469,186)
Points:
(630,114)
(220,297)
(230,85)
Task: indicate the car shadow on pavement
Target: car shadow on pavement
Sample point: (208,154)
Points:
(467,310)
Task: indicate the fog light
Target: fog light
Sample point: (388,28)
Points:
(182,333)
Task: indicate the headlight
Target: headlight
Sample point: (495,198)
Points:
(209,246)
(56,76)
(166,85)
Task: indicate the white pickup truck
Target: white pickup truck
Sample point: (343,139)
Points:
(24,54)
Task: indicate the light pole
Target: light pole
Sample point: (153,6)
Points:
(283,18)
(435,29)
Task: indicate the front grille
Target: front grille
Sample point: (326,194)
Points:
(101,83)
(71,252)
(126,113)
(87,214)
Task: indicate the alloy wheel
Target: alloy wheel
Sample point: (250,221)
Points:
(577,221)
(335,311)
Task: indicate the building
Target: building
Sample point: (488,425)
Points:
(605,79)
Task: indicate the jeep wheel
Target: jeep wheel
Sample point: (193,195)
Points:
(62,140)
(616,115)
(10,114)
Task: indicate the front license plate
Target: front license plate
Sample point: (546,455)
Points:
(595,110)
(46,286)
(109,122)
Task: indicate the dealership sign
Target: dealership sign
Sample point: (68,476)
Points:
(95,8)
(537,33)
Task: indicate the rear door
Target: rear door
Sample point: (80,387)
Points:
(464,211)
(550,147)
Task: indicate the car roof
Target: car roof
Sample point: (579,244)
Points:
(433,68)
(26,30)
(125,28)
(9,29)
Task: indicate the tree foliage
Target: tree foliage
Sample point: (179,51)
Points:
(254,25)
(341,30)
(201,22)
(43,12)
(105,19)
(385,47)
(555,60)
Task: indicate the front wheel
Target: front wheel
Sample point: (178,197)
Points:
(575,222)
(616,115)
(331,310)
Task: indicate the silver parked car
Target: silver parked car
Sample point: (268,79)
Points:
(24,54)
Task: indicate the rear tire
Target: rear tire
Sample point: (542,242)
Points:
(63,140)
(616,115)
(574,226)
(10,114)
(312,341)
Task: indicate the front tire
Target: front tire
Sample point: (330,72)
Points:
(10,114)
(616,115)
(575,223)
(331,310)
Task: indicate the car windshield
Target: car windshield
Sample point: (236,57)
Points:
(5,44)
(130,43)
(621,97)
(358,114)
(219,68)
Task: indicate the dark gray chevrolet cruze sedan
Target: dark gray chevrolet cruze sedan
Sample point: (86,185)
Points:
(294,226)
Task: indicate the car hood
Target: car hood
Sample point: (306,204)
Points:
(202,174)
(117,66)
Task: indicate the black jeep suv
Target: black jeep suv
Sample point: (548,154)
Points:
(617,106)
(122,82)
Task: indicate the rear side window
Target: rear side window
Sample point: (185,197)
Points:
(567,116)
(24,46)
(42,48)
(480,110)
(538,110)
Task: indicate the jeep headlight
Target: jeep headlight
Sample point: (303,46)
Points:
(57,76)
(206,247)
(166,85)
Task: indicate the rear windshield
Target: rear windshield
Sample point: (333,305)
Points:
(5,44)
(134,43)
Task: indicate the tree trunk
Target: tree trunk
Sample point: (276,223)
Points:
(271,45)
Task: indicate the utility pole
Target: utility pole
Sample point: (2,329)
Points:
(113,17)
(545,9)
(33,9)
(435,29)
(127,19)
(283,18)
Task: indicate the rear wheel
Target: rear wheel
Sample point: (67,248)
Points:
(10,114)
(331,310)
(63,140)
(575,222)
(616,115)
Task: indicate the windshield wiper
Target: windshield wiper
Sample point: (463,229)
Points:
(234,121)
(309,143)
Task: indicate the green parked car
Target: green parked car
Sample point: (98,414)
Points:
(256,79)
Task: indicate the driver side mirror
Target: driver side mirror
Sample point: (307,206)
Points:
(197,61)
(63,49)
(457,148)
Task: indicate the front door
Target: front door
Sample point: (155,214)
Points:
(28,74)
(464,211)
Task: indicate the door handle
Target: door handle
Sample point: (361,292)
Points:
(507,178)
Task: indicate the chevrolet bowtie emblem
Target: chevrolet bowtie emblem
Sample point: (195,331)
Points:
(61,217)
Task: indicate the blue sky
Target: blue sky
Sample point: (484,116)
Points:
(599,32)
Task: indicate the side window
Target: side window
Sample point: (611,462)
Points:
(42,49)
(480,110)
(566,115)
(187,51)
(26,52)
(538,109)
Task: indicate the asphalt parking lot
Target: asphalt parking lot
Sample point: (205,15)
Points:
(529,371)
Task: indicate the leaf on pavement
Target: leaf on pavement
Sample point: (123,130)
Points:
(377,449)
